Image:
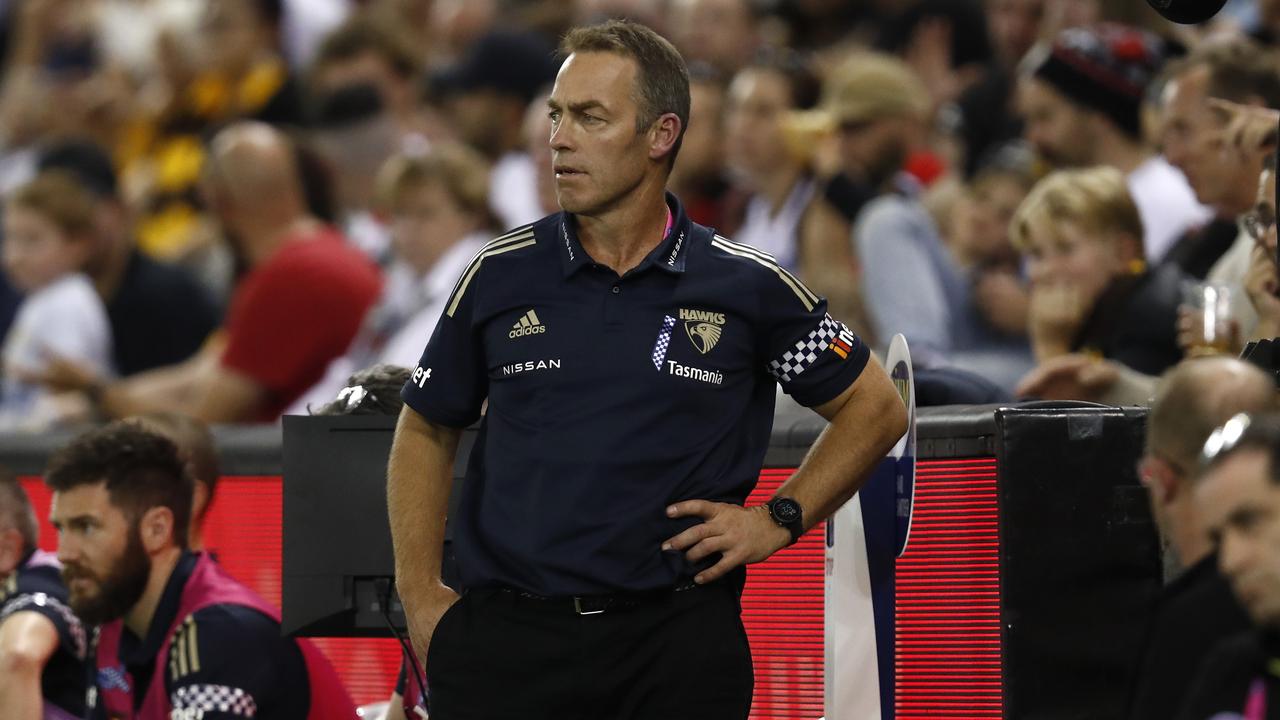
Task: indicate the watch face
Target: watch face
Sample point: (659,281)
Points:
(786,510)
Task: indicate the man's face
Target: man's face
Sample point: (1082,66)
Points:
(758,101)
(874,150)
(598,156)
(481,117)
(103,562)
(702,150)
(370,68)
(359,149)
(718,32)
(231,35)
(215,193)
(1193,142)
(425,222)
(1014,26)
(981,218)
(1240,508)
(1059,131)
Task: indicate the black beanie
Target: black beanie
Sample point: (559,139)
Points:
(1104,67)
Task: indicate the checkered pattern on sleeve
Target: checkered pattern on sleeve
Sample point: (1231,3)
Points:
(805,352)
(213,698)
(30,601)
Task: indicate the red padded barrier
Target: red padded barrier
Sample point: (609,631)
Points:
(948,644)
(782,607)
(948,650)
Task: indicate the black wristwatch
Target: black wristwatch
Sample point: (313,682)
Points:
(788,514)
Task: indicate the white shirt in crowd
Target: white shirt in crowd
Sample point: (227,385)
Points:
(777,234)
(396,330)
(1230,270)
(370,235)
(304,25)
(64,319)
(1166,203)
(513,190)
(129,31)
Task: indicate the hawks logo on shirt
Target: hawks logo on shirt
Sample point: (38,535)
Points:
(703,328)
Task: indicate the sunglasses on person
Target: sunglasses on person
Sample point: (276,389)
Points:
(1257,223)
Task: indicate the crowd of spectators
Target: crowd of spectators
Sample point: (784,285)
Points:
(162,162)
(224,210)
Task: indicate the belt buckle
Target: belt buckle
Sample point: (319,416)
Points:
(577,607)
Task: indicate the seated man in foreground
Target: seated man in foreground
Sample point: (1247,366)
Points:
(42,643)
(178,636)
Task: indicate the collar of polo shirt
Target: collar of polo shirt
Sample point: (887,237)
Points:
(668,256)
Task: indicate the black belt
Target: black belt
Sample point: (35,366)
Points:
(596,604)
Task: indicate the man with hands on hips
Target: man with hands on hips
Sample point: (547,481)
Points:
(628,360)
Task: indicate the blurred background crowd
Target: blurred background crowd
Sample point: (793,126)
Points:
(224,208)
(227,210)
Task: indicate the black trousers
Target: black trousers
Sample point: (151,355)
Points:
(497,655)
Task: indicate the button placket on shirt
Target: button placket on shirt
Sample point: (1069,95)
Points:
(613,312)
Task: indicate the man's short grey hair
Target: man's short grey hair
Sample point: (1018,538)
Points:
(661,73)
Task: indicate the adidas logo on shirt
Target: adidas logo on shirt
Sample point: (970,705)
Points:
(528,325)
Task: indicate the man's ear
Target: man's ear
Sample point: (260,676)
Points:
(199,500)
(1161,480)
(663,135)
(156,529)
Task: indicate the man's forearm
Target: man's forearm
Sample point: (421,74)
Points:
(419,480)
(20,694)
(861,433)
(120,400)
(27,641)
(166,389)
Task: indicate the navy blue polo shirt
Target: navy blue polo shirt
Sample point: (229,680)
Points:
(609,398)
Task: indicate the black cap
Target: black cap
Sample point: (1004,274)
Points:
(1187,12)
(71,57)
(512,63)
(1105,67)
(87,161)
(348,105)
